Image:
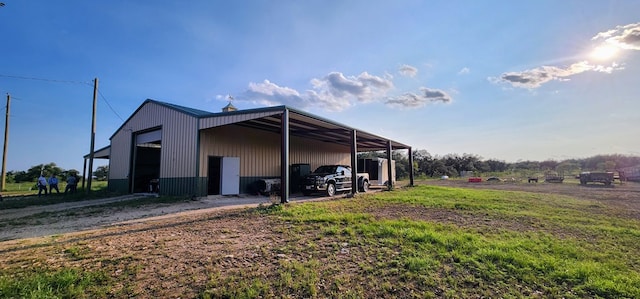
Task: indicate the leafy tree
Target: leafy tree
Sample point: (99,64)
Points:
(497,166)
(422,160)
(548,165)
(102,173)
(402,164)
(527,165)
(568,167)
(482,166)
(45,169)
(21,176)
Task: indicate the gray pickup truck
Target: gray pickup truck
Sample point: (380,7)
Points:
(330,179)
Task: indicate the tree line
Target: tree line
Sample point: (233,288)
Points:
(32,174)
(455,165)
(424,164)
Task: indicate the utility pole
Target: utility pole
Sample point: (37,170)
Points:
(93,134)
(4,150)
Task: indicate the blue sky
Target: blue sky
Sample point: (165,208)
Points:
(507,80)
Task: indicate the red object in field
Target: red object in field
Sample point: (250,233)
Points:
(475,180)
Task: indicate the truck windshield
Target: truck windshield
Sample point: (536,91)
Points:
(326,169)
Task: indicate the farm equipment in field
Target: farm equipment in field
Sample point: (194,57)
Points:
(596,177)
(475,180)
(553,178)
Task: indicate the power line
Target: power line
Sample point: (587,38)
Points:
(113,110)
(65,81)
(44,79)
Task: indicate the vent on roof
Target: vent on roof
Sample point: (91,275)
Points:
(229,106)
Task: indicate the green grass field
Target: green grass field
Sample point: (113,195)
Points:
(422,242)
(19,195)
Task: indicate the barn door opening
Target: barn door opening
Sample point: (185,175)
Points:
(223,176)
(213,184)
(146,164)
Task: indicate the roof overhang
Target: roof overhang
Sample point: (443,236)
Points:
(102,153)
(305,125)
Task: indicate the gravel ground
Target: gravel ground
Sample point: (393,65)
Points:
(38,221)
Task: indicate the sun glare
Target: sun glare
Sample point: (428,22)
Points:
(604,52)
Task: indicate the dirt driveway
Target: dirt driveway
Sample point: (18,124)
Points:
(38,221)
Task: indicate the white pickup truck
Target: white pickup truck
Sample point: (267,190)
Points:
(331,179)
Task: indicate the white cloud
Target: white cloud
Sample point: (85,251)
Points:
(464,71)
(623,37)
(267,93)
(334,92)
(337,92)
(534,78)
(363,88)
(408,71)
(412,100)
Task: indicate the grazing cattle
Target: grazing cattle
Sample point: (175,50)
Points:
(533,180)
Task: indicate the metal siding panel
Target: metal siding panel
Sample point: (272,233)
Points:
(318,153)
(259,151)
(120,155)
(121,142)
(179,131)
(178,154)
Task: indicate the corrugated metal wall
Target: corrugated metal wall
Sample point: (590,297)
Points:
(179,130)
(259,151)
(120,155)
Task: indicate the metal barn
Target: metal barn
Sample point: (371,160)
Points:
(176,150)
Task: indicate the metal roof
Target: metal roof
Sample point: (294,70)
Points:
(306,125)
(102,153)
(301,124)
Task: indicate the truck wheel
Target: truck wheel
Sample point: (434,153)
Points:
(331,189)
(365,186)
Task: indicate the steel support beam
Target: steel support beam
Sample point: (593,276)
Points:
(284,157)
(389,169)
(354,162)
(410,167)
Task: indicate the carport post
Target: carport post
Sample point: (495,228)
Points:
(354,169)
(410,167)
(390,165)
(284,157)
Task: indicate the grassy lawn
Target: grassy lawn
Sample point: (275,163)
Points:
(423,242)
(20,195)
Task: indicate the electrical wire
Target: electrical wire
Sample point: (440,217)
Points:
(43,79)
(107,102)
(66,81)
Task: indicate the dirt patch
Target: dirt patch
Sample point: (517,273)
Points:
(167,257)
(170,251)
(38,221)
